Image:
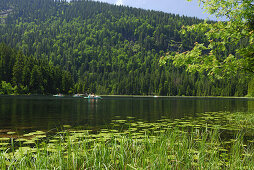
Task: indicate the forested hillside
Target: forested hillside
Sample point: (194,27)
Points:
(103,48)
(30,75)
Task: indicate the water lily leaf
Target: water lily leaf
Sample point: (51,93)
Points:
(53,141)
(29,134)
(11,133)
(20,140)
(130,117)
(67,126)
(39,133)
(29,142)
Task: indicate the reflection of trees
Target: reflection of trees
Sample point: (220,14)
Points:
(251,106)
(35,112)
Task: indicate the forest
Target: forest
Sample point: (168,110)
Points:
(82,46)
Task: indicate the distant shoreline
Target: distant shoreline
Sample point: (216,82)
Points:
(137,96)
(134,96)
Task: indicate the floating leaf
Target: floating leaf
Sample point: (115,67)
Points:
(39,133)
(29,134)
(129,117)
(11,133)
(29,142)
(67,126)
(20,140)
(4,139)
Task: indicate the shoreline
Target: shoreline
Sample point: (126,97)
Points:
(150,96)
(134,96)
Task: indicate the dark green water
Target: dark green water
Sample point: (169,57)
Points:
(40,112)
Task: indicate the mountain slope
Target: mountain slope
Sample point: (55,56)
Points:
(109,49)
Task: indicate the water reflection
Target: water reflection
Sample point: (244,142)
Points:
(25,112)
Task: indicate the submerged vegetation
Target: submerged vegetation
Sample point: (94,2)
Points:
(207,141)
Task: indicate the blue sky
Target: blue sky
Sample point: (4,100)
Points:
(181,7)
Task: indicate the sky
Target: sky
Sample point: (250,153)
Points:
(181,7)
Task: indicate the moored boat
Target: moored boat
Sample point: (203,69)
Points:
(58,95)
(78,95)
(93,97)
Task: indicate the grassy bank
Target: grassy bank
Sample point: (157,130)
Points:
(209,141)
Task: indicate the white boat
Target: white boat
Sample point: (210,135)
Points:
(58,95)
(93,97)
(78,95)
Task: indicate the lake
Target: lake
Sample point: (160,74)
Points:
(45,113)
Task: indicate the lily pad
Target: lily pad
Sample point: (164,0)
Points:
(11,133)
(53,141)
(67,126)
(4,139)
(39,133)
(130,117)
(21,140)
(41,136)
(28,134)
(29,142)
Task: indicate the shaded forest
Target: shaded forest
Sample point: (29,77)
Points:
(86,46)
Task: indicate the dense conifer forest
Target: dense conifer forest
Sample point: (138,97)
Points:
(85,46)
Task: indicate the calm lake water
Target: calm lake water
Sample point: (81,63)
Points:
(41,112)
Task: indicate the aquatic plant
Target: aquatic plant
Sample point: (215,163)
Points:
(204,142)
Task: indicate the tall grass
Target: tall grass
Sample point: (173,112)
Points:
(174,149)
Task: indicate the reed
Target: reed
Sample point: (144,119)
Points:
(172,149)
